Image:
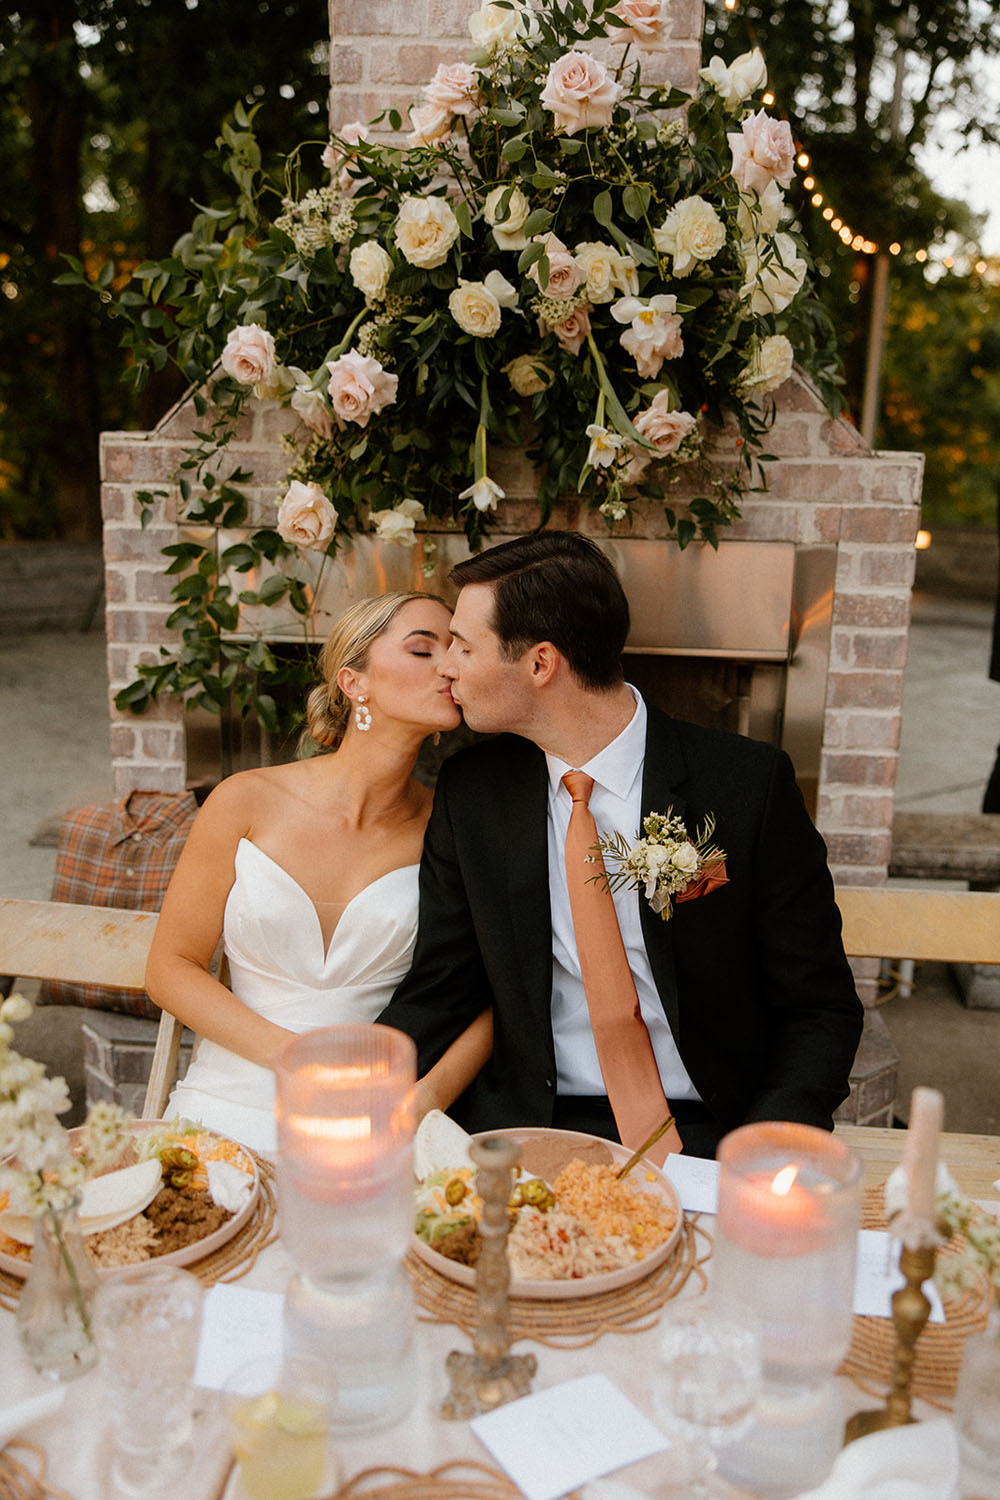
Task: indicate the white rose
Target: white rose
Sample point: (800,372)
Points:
(692,231)
(599,264)
(745,76)
(528,374)
(507,232)
(774,273)
(249,354)
(371,267)
(312,409)
(359,388)
(426,229)
(769,367)
(475,309)
(484,494)
(760,213)
(494,26)
(398,526)
(305,516)
(685,859)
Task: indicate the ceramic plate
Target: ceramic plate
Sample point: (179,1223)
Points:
(644,1176)
(15,1265)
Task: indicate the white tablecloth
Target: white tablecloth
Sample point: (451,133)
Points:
(77,1440)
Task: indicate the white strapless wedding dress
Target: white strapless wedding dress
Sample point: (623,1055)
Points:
(278,967)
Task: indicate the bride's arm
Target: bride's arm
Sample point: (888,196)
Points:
(178,972)
(456,1068)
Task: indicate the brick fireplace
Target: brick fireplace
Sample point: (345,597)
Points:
(838,507)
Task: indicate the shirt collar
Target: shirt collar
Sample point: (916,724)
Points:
(616,766)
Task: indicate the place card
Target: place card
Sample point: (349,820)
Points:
(877,1276)
(237,1325)
(555,1440)
(696,1181)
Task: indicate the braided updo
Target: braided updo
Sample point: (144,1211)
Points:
(327,709)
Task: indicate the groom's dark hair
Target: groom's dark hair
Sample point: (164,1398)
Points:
(555,586)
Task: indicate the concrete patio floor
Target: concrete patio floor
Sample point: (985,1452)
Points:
(54,755)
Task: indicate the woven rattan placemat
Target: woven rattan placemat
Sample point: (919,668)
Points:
(463,1479)
(23,1467)
(231,1261)
(579,1321)
(869,1360)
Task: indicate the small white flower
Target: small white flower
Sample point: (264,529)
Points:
(484,494)
(397,526)
(604,446)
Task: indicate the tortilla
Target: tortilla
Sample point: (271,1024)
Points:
(105,1201)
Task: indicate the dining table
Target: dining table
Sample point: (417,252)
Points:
(76,1440)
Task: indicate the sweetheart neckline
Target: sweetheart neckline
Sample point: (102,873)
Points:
(327,947)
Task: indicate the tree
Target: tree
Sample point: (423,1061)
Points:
(833,69)
(109,110)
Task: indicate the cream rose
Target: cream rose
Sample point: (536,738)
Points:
(644,21)
(774,273)
(769,367)
(685,859)
(579,92)
(760,213)
(359,387)
(311,408)
(431,123)
(665,429)
(565,275)
(426,229)
(598,262)
(475,309)
(398,526)
(745,76)
(528,374)
(691,232)
(455,87)
(494,26)
(305,516)
(508,232)
(763,152)
(371,267)
(654,331)
(249,354)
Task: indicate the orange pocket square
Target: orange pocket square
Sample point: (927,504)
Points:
(710,879)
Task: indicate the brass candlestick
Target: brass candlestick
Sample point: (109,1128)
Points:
(910,1311)
(491,1375)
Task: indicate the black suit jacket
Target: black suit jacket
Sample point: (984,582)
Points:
(753,979)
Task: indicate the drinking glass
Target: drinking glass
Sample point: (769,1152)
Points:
(705,1388)
(278,1416)
(147,1319)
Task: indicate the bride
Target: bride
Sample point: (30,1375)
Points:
(308,872)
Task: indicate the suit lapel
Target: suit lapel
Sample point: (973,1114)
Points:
(664,772)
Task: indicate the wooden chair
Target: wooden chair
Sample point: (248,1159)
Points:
(945,926)
(90,945)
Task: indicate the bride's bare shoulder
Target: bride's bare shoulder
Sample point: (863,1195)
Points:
(240,799)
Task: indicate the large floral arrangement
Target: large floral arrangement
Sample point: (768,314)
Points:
(559,257)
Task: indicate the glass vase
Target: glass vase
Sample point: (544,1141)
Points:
(977,1399)
(54,1312)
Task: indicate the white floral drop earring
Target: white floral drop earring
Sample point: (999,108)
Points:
(363,715)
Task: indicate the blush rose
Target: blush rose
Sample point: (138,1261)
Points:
(359,387)
(579,92)
(305,516)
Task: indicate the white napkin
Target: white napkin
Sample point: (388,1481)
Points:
(919,1462)
(22,1413)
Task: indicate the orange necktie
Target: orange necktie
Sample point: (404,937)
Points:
(624,1050)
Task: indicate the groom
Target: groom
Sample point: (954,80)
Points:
(739,1007)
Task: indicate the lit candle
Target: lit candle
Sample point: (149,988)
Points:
(776,1213)
(920,1153)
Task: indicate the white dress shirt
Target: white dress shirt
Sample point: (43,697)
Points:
(616,803)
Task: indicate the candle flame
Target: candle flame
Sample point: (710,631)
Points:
(783,1180)
(340,1131)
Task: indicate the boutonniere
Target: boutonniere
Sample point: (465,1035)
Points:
(667,862)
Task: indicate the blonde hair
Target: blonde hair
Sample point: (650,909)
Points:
(327,709)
